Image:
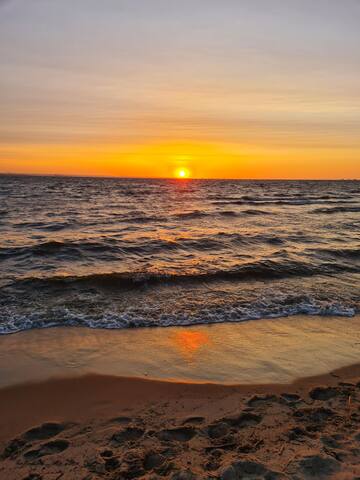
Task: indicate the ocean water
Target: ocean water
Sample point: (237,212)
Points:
(121,253)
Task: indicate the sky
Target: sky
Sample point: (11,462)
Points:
(146,88)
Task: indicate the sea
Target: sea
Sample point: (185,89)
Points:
(129,253)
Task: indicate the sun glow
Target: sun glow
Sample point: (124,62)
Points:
(182,173)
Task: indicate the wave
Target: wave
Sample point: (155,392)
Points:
(112,249)
(50,227)
(228,213)
(283,201)
(54,247)
(249,212)
(347,253)
(255,212)
(191,215)
(271,308)
(263,270)
(141,218)
(339,209)
(196,214)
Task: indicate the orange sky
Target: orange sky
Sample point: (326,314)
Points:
(200,160)
(251,89)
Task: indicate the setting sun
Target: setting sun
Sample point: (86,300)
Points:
(182,173)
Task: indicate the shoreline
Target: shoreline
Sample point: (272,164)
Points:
(262,352)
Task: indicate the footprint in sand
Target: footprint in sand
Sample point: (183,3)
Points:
(44,431)
(331,441)
(153,460)
(184,475)
(246,419)
(111,464)
(290,398)
(50,448)
(315,467)
(316,415)
(218,430)
(106,453)
(323,393)
(193,420)
(297,433)
(121,420)
(181,434)
(129,434)
(249,470)
(260,400)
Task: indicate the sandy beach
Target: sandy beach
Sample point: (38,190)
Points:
(96,427)
(99,425)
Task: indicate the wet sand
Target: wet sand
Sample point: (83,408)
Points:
(261,351)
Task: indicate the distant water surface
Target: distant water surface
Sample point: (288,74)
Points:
(118,253)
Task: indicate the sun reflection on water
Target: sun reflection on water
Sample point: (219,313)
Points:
(190,342)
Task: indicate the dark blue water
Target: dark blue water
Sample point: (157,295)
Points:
(119,253)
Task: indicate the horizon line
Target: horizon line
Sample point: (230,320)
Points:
(65,175)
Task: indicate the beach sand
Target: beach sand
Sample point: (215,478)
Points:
(79,417)
(95,426)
